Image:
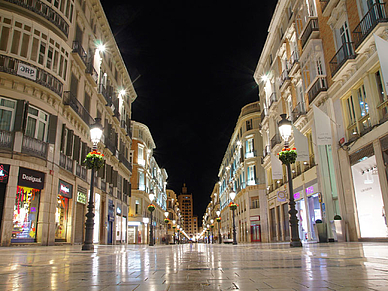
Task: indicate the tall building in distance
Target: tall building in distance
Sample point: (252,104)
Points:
(186,209)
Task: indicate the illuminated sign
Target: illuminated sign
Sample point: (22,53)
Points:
(4,172)
(297,195)
(65,189)
(310,190)
(30,178)
(81,198)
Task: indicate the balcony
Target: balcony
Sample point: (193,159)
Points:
(264,113)
(46,11)
(125,162)
(34,147)
(345,53)
(293,62)
(105,93)
(91,73)
(6,140)
(127,127)
(10,66)
(79,53)
(311,29)
(66,162)
(275,140)
(284,79)
(251,154)
(300,109)
(266,151)
(375,15)
(319,86)
(109,144)
(272,99)
(80,171)
(255,107)
(70,99)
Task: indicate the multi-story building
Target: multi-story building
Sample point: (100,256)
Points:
(185,201)
(60,68)
(241,171)
(147,178)
(172,209)
(323,54)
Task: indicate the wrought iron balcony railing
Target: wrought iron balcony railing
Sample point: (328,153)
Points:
(35,147)
(375,15)
(125,162)
(266,150)
(91,71)
(300,109)
(319,86)
(105,92)
(272,99)
(275,140)
(294,58)
(345,53)
(70,99)
(77,48)
(45,11)
(6,139)
(312,25)
(10,66)
(284,77)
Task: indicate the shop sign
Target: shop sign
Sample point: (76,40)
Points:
(282,196)
(4,173)
(255,218)
(81,198)
(111,211)
(26,71)
(65,189)
(297,195)
(30,178)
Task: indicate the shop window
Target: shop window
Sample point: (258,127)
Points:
(37,121)
(61,218)
(25,214)
(7,111)
(383,101)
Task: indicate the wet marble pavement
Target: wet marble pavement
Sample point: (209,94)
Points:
(333,266)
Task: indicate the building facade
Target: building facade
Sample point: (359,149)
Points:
(185,201)
(60,68)
(147,178)
(241,171)
(320,59)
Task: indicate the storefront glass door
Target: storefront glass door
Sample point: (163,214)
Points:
(370,207)
(314,212)
(255,233)
(302,219)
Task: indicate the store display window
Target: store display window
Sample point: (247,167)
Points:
(25,214)
(61,218)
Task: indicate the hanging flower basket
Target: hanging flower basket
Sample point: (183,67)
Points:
(174,226)
(212,225)
(94,160)
(218,219)
(288,156)
(233,206)
(151,207)
(166,220)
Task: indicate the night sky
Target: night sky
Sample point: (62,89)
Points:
(193,62)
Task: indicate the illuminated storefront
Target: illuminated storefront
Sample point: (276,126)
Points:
(118,224)
(4,172)
(26,207)
(65,193)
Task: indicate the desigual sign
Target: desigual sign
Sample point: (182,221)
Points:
(26,71)
(65,189)
(30,178)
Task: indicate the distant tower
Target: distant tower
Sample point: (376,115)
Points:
(186,207)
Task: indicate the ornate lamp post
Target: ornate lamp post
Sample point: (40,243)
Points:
(166,220)
(211,228)
(288,157)
(208,233)
(179,229)
(219,225)
(233,207)
(94,161)
(151,208)
(173,227)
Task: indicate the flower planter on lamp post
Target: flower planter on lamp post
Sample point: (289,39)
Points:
(233,207)
(166,221)
(218,219)
(288,157)
(94,161)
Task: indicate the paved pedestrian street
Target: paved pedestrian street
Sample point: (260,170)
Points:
(332,266)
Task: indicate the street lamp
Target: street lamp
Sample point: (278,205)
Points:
(219,225)
(285,130)
(151,208)
(233,207)
(166,221)
(208,234)
(179,229)
(173,227)
(211,227)
(95,136)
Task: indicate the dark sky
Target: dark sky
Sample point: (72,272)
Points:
(196,61)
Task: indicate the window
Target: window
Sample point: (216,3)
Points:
(251,175)
(362,101)
(7,111)
(249,148)
(382,103)
(37,121)
(249,124)
(140,155)
(141,181)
